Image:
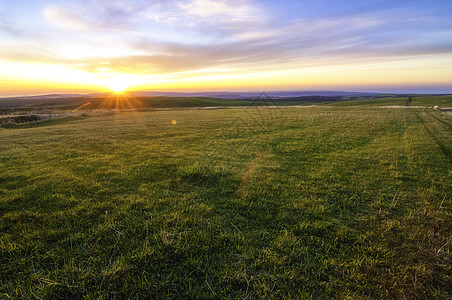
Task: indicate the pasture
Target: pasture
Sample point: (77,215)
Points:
(238,203)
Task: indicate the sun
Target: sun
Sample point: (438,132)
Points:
(118,88)
(119,83)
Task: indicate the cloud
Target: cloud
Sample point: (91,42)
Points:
(9,29)
(229,35)
(94,14)
(30,54)
(69,18)
(208,18)
(222,12)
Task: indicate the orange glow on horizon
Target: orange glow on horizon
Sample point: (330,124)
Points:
(56,80)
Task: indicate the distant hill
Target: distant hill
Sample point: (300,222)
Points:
(153,100)
(272,94)
(219,94)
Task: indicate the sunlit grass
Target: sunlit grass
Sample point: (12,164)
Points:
(323,202)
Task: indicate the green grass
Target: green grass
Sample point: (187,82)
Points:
(8,105)
(441,101)
(321,202)
(46,122)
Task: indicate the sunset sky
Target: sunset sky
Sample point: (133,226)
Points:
(78,46)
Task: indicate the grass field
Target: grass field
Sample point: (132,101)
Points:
(312,202)
(124,102)
(441,101)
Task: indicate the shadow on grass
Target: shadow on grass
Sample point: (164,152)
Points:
(41,123)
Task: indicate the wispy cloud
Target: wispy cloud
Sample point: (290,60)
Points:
(94,14)
(227,9)
(68,18)
(239,35)
(225,14)
(9,29)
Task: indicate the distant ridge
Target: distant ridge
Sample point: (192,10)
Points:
(219,94)
(240,95)
(225,94)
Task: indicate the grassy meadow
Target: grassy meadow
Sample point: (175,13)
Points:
(130,102)
(239,203)
(429,101)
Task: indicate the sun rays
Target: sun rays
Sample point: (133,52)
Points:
(120,101)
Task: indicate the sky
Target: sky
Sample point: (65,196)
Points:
(83,46)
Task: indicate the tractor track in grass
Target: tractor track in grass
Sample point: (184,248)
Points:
(449,126)
(431,132)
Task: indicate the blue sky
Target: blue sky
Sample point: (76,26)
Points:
(169,44)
